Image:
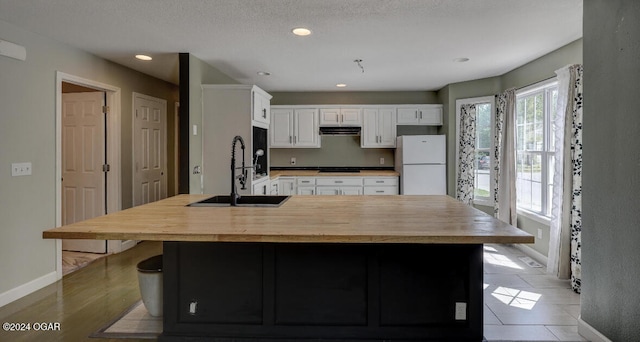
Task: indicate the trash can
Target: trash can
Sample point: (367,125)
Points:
(150,282)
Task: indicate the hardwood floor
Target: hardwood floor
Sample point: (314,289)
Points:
(83,301)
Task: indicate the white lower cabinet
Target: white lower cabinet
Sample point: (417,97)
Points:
(381,186)
(261,187)
(273,187)
(306,186)
(339,186)
(286,186)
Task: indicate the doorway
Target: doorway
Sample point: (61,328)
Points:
(105,195)
(84,193)
(149,149)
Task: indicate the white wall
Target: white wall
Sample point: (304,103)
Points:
(27,134)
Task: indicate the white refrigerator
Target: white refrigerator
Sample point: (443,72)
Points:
(421,162)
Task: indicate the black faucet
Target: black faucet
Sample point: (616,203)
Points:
(242,178)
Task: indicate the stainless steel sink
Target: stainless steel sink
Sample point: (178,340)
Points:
(243,201)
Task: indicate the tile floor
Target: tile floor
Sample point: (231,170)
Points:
(523,303)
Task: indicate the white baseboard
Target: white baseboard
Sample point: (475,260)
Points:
(590,333)
(539,257)
(25,289)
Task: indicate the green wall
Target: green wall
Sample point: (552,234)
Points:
(354,97)
(610,300)
(346,151)
(28,134)
(199,73)
(538,70)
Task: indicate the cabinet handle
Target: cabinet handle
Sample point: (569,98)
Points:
(420,115)
(341,118)
(379,181)
(338,182)
(290,141)
(416,114)
(305,181)
(295,139)
(379,191)
(264,113)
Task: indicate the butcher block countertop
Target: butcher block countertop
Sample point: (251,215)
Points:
(302,219)
(315,173)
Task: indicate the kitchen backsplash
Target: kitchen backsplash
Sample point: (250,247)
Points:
(335,151)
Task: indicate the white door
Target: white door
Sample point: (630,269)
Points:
(424,180)
(281,128)
(351,190)
(83,155)
(387,127)
(306,128)
(149,149)
(328,190)
(369,128)
(424,149)
(350,117)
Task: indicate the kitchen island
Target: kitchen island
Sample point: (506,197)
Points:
(347,268)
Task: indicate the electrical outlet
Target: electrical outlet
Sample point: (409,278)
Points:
(293,160)
(539,233)
(195,129)
(20,169)
(381,161)
(461,311)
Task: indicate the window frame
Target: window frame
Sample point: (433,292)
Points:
(546,153)
(484,201)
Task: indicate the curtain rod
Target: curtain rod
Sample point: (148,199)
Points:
(534,83)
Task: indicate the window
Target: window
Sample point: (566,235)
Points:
(483,179)
(535,112)
(484,142)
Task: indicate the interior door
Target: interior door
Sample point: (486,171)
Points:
(149,149)
(83,155)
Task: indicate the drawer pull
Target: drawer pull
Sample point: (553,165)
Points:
(379,181)
(379,191)
(338,182)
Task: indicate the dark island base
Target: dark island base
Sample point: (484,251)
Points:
(249,292)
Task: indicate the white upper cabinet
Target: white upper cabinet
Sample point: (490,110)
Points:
(427,115)
(292,128)
(340,117)
(378,128)
(281,130)
(261,107)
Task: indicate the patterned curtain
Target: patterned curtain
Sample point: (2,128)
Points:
(566,222)
(504,162)
(466,154)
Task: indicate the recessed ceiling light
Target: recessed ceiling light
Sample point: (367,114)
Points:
(461,60)
(264,73)
(341,85)
(301,31)
(144,57)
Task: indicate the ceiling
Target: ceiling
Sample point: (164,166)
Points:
(405,45)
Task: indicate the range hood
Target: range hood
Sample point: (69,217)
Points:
(339,130)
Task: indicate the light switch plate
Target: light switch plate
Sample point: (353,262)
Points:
(381,161)
(20,169)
